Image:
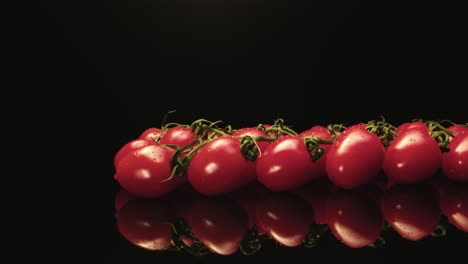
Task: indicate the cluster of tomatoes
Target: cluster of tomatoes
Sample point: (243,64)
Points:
(216,161)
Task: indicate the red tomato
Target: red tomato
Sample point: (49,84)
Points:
(412,210)
(354,158)
(142,171)
(323,133)
(286,164)
(454,205)
(145,223)
(455,162)
(285,217)
(219,167)
(121,198)
(457,129)
(129,147)
(151,134)
(412,157)
(316,194)
(219,223)
(253,132)
(179,136)
(353,218)
(416,124)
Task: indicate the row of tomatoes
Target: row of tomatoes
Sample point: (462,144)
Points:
(218,164)
(355,217)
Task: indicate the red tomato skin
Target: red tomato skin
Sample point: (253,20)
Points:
(253,132)
(286,164)
(457,129)
(142,171)
(145,223)
(219,167)
(129,147)
(455,162)
(179,136)
(416,124)
(412,210)
(354,218)
(355,158)
(151,134)
(219,223)
(454,205)
(284,217)
(414,156)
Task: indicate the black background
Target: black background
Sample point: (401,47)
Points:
(121,65)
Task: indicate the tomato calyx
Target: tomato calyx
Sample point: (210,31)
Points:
(439,231)
(336,129)
(313,146)
(385,131)
(278,128)
(441,134)
(181,232)
(252,241)
(315,235)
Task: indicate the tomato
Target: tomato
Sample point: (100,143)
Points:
(354,158)
(454,205)
(416,124)
(152,134)
(455,162)
(457,129)
(253,132)
(285,217)
(219,223)
(412,157)
(286,164)
(355,219)
(219,167)
(129,147)
(316,194)
(323,133)
(121,198)
(412,210)
(179,136)
(142,171)
(145,223)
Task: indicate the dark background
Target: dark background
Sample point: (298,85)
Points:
(121,65)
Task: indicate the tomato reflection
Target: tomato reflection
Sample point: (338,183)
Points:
(412,210)
(354,217)
(219,223)
(285,217)
(146,223)
(454,205)
(243,220)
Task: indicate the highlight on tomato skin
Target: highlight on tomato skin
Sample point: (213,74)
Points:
(354,217)
(284,217)
(145,223)
(412,210)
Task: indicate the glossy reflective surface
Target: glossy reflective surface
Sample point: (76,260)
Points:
(254,219)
